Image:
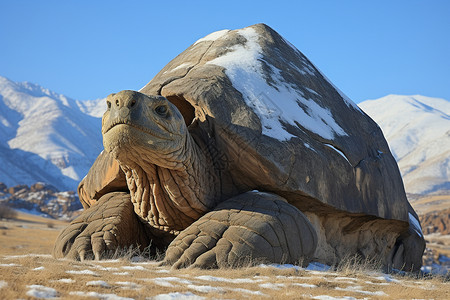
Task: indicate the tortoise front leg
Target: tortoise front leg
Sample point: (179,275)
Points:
(108,226)
(250,228)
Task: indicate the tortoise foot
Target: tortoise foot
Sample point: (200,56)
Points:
(101,230)
(248,229)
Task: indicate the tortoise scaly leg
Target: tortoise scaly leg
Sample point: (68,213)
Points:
(108,226)
(250,228)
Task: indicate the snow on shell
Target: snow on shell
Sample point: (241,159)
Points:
(213,36)
(273,104)
(415,224)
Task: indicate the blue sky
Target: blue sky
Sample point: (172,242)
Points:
(89,49)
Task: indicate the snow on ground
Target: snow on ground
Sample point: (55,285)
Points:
(99,295)
(82,272)
(177,295)
(67,279)
(98,283)
(3,284)
(40,291)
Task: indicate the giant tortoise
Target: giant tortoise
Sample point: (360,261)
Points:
(240,150)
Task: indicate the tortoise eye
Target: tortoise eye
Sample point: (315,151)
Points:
(108,103)
(161,110)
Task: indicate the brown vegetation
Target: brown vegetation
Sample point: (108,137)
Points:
(21,268)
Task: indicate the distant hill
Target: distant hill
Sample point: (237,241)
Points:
(418,132)
(45,136)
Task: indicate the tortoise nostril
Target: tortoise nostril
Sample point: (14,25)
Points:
(117,102)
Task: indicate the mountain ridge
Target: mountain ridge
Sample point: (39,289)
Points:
(418,132)
(45,136)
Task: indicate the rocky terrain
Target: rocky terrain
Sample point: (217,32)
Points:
(41,199)
(436,221)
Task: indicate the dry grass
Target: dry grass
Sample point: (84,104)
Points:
(126,277)
(28,234)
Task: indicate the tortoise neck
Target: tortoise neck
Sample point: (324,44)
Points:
(172,199)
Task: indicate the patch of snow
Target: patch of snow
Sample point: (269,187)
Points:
(183,65)
(387,278)
(276,103)
(312,91)
(132,268)
(415,224)
(163,271)
(205,288)
(98,283)
(65,280)
(376,283)
(213,36)
(82,272)
(171,279)
(99,295)
(326,297)
(436,269)
(304,285)
(309,147)
(139,259)
(121,273)
(40,291)
(129,285)
(281,266)
(164,283)
(246,291)
(107,261)
(315,266)
(9,265)
(358,289)
(273,286)
(346,279)
(3,284)
(339,152)
(230,280)
(38,269)
(177,296)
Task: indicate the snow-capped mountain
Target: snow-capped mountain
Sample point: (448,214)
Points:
(418,132)
(45,136)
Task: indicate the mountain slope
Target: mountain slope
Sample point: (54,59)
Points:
(418,131)
(45,136)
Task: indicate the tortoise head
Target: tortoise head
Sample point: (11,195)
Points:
(136,124)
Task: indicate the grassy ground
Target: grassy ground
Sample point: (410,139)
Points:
(28,271)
